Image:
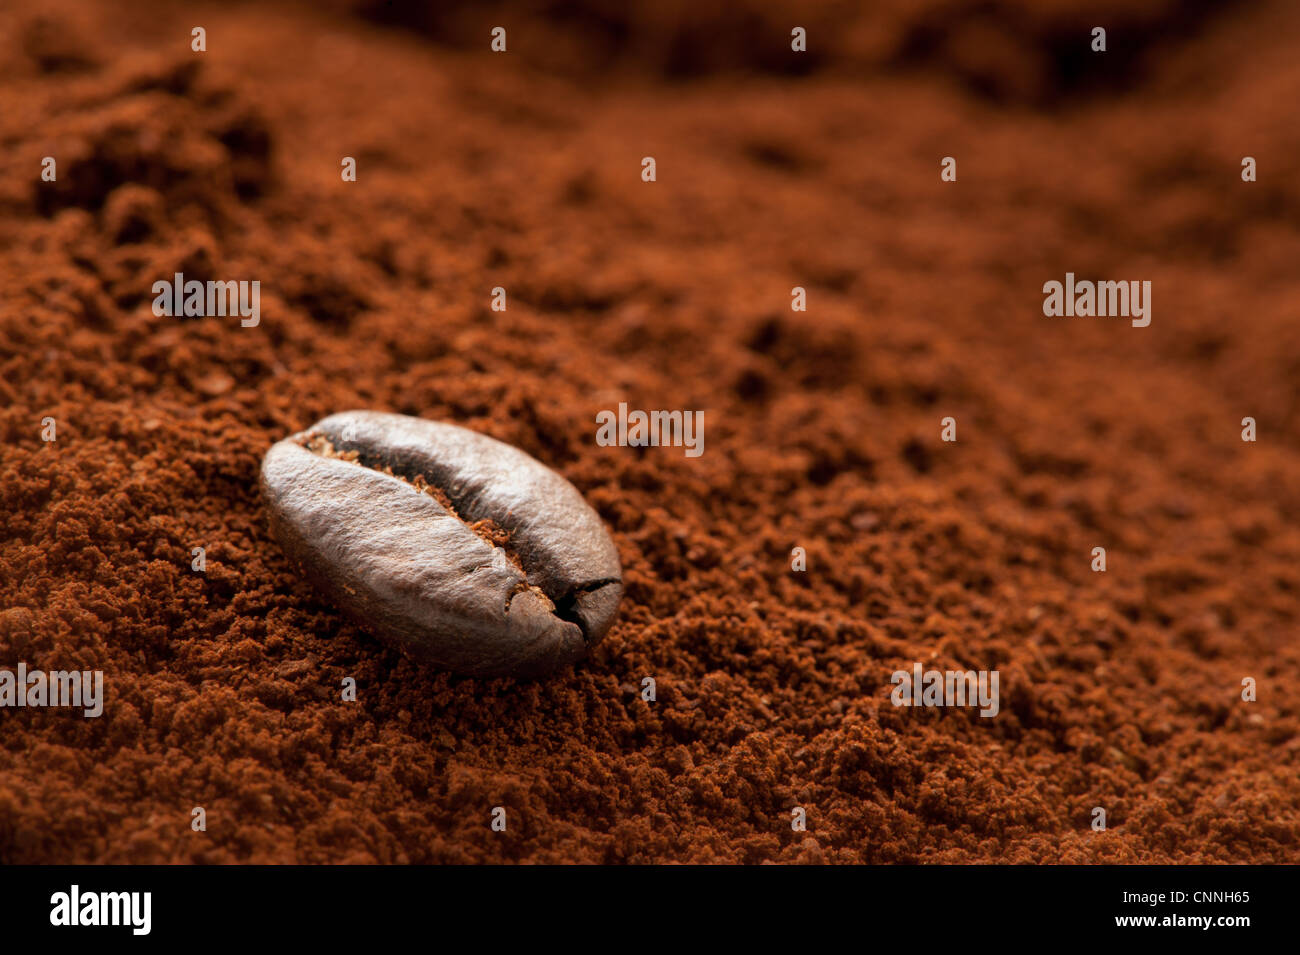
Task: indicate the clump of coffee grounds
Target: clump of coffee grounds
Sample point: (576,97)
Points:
(1120,690)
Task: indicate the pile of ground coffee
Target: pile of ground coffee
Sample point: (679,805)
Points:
(1120,690)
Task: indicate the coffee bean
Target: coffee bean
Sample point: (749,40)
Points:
(458,549)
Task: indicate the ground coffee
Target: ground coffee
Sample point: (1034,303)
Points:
(1119,690)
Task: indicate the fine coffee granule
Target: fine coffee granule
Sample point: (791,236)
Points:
(1120,690)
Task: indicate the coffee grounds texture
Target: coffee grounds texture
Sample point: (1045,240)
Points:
(1119,690)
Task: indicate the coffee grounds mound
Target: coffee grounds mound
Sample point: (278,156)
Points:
(1120,690)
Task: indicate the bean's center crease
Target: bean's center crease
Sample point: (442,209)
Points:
(486,529)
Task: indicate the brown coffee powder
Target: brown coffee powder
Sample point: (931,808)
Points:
(1120,690)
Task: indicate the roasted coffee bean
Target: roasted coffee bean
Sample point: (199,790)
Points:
(460,550)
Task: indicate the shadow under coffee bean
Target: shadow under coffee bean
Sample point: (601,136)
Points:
(460,550)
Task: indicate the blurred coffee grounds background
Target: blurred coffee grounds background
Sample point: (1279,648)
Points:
(1014,52)
(1120,690)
